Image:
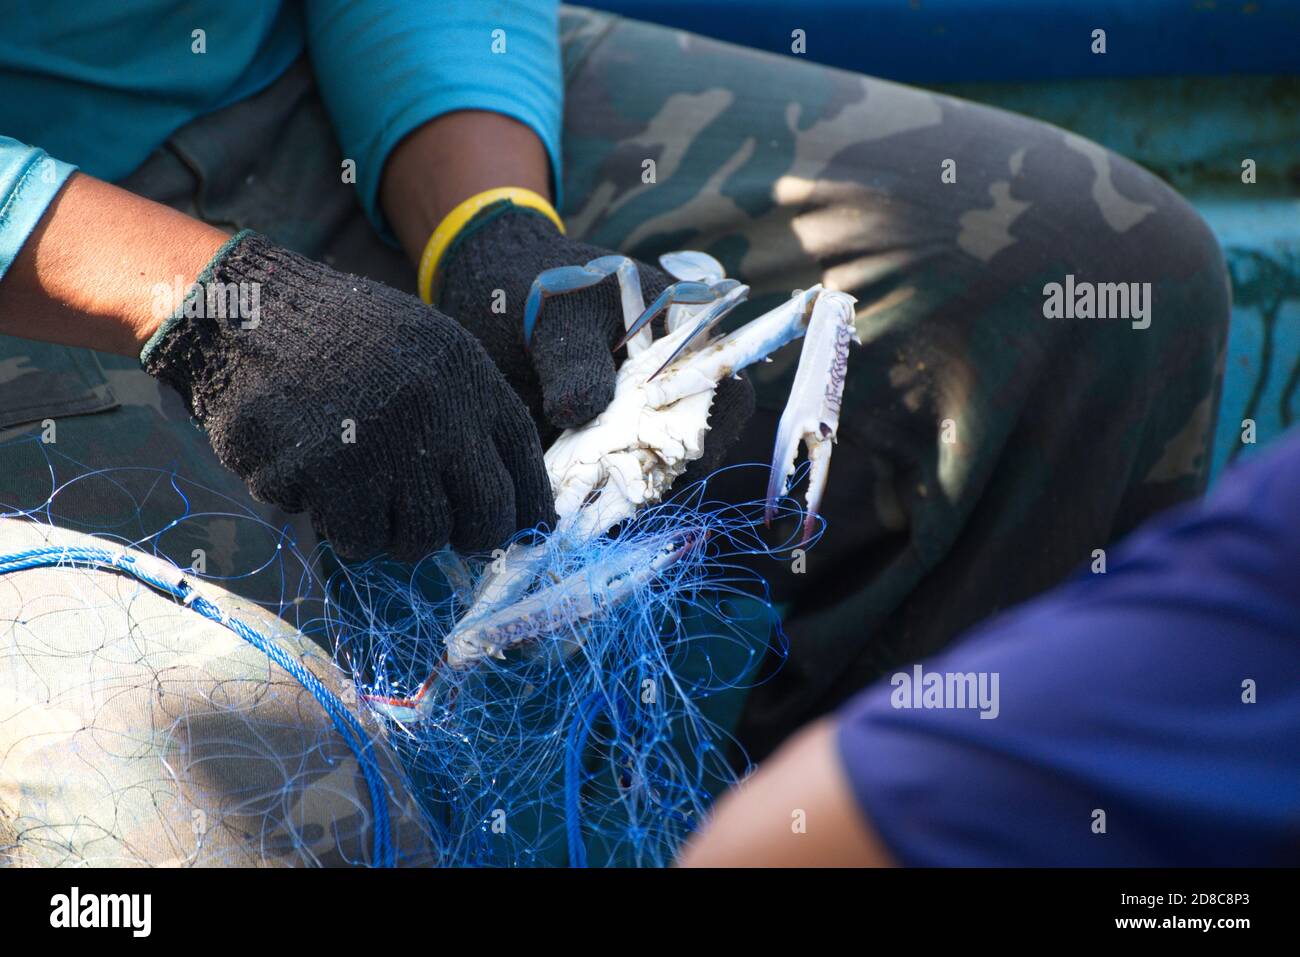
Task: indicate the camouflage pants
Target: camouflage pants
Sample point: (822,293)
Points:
(985,449)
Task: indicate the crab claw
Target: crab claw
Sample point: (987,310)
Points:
(693,265)
(565,279)
(812,415)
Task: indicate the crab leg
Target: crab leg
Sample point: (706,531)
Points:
(577,598)
(565,279)
(629,291)
(683,292)
(752,342)
(732,293)
(694,266)
(554,610)
(812,414)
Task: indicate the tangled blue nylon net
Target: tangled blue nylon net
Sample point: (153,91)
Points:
(602,741)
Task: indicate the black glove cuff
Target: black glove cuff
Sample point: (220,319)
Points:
(180,350)
(517,229)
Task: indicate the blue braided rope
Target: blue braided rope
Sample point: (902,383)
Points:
(348,727)
(575,745)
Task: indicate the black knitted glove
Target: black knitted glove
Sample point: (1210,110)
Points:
(380,416)
(566,375)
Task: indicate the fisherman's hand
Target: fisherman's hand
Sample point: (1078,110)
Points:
(380,416)
(566,372)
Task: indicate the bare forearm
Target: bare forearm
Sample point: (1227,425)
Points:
(451,158)
(90,272)
(797,810)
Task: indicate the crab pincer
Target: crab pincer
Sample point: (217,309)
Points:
(566,279)
(812,413)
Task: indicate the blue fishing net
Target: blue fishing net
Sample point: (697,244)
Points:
(599,738)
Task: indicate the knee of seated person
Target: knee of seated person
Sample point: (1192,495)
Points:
(1181,258)
(1134,249)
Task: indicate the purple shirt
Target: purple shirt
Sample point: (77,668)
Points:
(1149,715)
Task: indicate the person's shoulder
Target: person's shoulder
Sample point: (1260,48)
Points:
(1245,534)
(1268,483)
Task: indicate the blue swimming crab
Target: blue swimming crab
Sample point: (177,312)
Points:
(627,457)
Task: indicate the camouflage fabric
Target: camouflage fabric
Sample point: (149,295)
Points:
(134,732)
(985,450)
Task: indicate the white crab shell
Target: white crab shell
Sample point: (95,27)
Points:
(630,454)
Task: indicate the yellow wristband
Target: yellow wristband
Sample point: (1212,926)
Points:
(455,221)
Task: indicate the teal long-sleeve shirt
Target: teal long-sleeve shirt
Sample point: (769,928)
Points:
(100,85)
